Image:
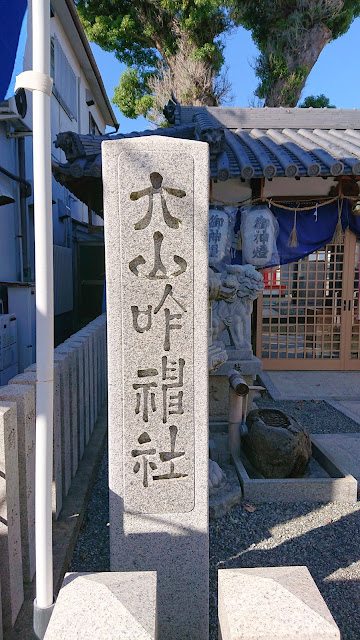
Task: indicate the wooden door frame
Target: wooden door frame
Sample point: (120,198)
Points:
(344,362)
(350,364)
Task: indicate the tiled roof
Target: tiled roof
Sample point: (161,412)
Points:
(244,143)
(297,149)
(81,174)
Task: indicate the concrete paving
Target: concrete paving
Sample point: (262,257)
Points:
(350,408)
(345,449)
(313,385)
(341,389)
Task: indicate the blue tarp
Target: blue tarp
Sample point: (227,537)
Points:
(315,228)
(13,33)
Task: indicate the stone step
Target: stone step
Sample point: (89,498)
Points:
(272,603)
(105,606)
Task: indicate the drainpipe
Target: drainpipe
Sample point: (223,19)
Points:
(38,80)
(19,242)
(238,403)
(25,192)
(238,391)
(43,604)
(25,272)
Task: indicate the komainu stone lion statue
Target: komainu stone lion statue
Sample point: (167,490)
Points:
(234,314)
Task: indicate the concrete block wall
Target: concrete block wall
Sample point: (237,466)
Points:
(80,390)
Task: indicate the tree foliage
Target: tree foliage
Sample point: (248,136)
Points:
(290,35)
(179,44)
(147,35)
(317,102)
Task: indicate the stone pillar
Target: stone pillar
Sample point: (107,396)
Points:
(87,391)
(1,621)
(78,346)
(29,377)
(92,380)
(65,349)
(11,573)
(81,341)
(156,236)
(62,405)
(24,396)
(86,333)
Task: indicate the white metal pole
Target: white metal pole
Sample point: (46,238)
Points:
(44,307)
(38,80)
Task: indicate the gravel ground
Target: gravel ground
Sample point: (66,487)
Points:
(317,416)
(325,538)
(92,548)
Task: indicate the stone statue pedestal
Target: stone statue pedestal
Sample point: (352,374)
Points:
(217,356)
(219,383)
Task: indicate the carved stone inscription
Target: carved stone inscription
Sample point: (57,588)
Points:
(157,256)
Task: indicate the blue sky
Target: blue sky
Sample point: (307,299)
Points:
(336,73)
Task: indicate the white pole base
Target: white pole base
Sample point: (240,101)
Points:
(41,619)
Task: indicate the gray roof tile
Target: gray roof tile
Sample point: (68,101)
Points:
(244,143)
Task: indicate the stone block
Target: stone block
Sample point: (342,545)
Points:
(96,372)
(58,468)
(80,362)
(105,606)
(91,348)
(70,351)
(62,361)
(105,361)
(1,624)
(84,386)
(251,367)
(272,603)
(93,372)
(61,408)
(156,237)
(225,497)
(344,448)
(89,333)
(98,336)
(29,377)
(24,397)
(86,334)
(328,481)
(11,573)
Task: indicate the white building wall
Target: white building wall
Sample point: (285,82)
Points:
(60,121)
(235,191)
(9,214)
(10,223)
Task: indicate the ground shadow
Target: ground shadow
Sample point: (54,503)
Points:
(324,550)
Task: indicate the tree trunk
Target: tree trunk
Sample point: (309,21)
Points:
(304,52)
(192,79)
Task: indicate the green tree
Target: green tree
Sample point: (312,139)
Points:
(290,35)
(152,37)
(178,44)
(317,102)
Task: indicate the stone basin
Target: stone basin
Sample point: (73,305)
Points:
(325,480)
(276,444)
